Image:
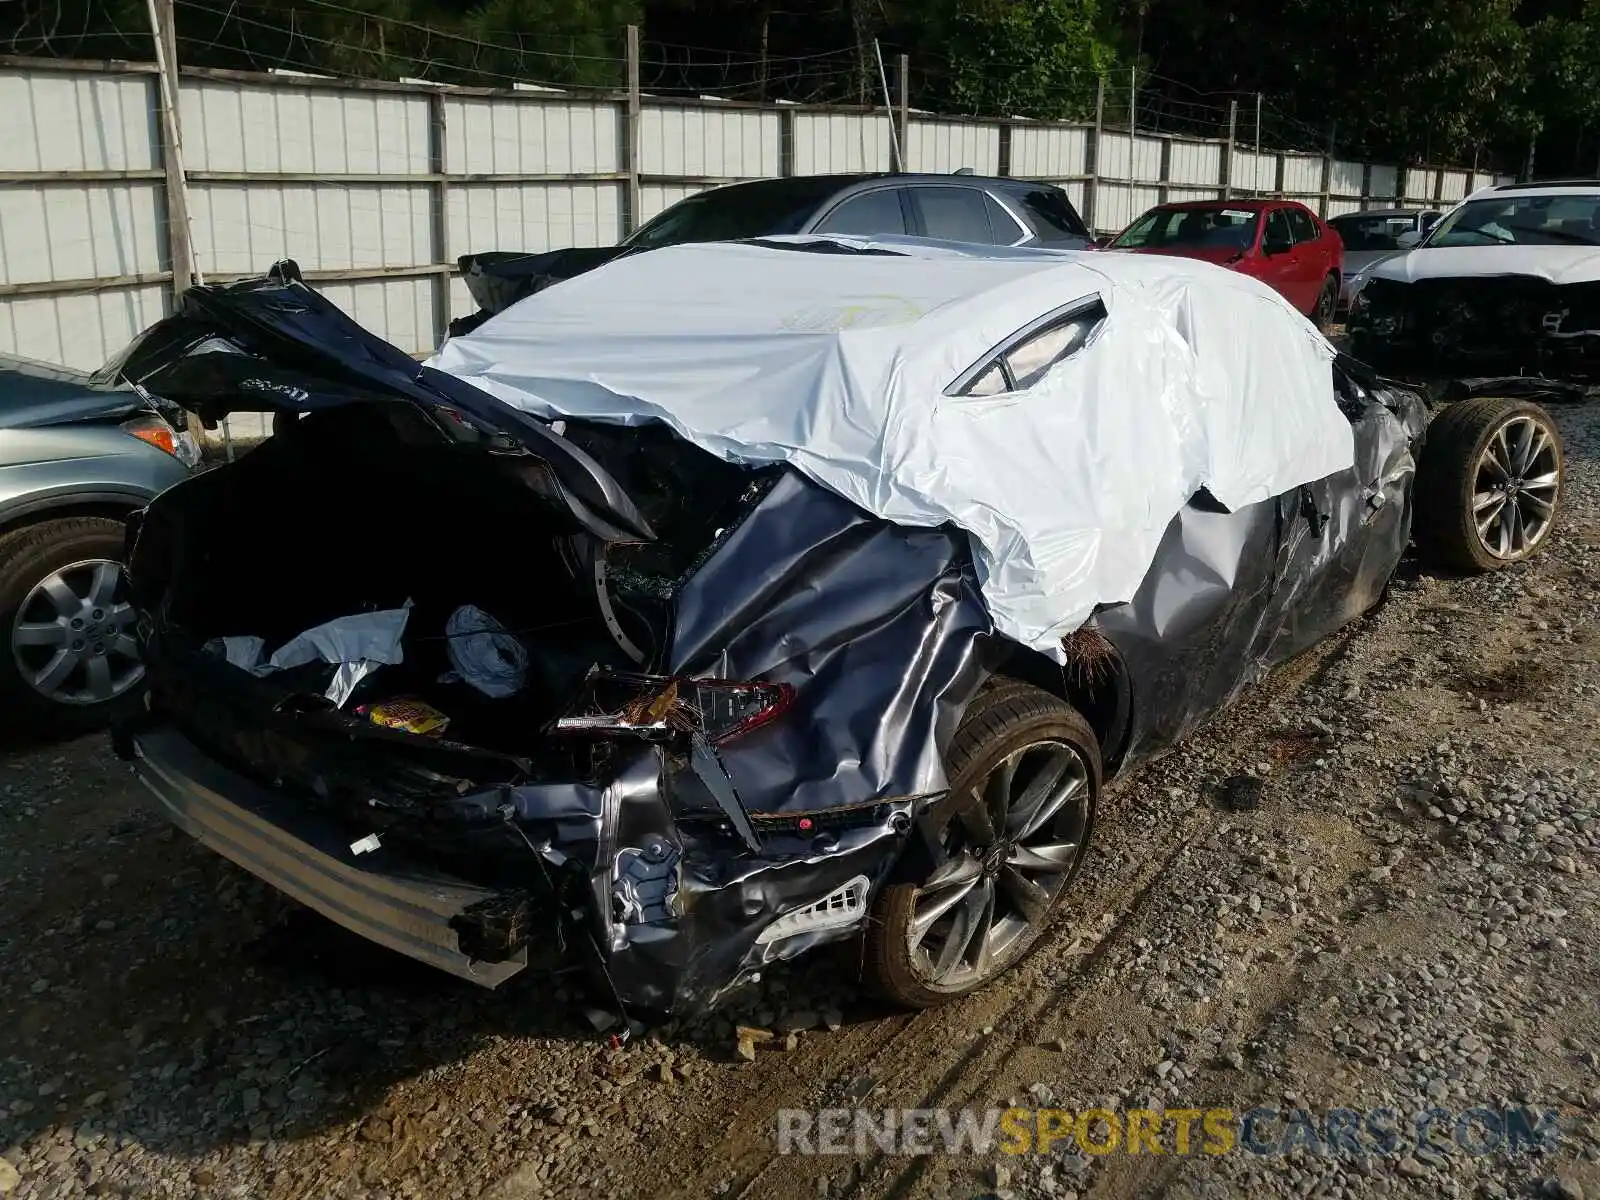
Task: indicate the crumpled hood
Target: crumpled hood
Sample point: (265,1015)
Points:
(1557,264)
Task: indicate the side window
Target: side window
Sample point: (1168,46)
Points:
(954,214)
(1006,229)
(869,214)
(1305,229)
(1023,361)
(1278,229)
(1053,217)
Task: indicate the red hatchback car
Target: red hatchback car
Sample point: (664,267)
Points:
(1283,244)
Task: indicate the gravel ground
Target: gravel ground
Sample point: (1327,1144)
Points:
(1372,884)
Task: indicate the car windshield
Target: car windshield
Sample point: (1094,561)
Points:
(1363,233)
(731,213)
(1190,229)
(1510,220)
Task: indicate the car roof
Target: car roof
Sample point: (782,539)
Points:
(1208,205)
(1536,185)
(1382,212)
(822,186)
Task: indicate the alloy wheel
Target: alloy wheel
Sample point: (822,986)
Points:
(1515,488)
(72,639)
(1011,846)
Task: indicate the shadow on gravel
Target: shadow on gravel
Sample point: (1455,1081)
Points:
(204,1012)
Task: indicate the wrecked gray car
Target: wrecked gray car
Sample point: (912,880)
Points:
(579,687)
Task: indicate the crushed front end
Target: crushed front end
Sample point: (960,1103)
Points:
(1503,325)
(496,693)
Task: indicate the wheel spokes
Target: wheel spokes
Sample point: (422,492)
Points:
(98,672)
(1050,858)
(975,817)
(42,633)
(947,887)
(63,599)
(1056,783)
(1031,900)
(103,591)
(971,923)
(55,671)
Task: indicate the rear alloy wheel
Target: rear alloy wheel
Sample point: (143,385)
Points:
(1488,484)
(1025,774)
(69,653)
(1327,304)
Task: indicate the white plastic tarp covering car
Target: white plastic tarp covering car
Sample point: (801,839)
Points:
(839,364)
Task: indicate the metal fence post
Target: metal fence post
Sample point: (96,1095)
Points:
(1163,184)
(1327,175)
(1227,153)
(1091,154)
(634,119)
(437,166)
(904,113)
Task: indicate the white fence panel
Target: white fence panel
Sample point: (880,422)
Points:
(516,136)
(1183,195)
(945,146)
(1194,162)
(79,329)
(826,143)
(1302,175)
(239,127)
(1338,207)
(77,122)
(1117,204)
(1345,178)
(510,216)
(241,228)
(1049,152)
(1385,181)
(683,140)
(1137,160)
(1453,185)
(1254,172)
(55,231)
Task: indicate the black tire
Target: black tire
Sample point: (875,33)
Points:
(1007,718)
(1326,308)
(1468,518)
(29,556)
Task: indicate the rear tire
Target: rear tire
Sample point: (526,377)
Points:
(1327,306)
(59,660)
(1488,484)
(1024,771)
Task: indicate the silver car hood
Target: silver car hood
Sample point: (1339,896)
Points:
(1557,264)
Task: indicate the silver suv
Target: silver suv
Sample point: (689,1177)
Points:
(75,460)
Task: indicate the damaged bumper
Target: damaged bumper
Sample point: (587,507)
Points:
(599,875)
(381,895)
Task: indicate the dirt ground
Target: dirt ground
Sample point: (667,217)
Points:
(1398,912)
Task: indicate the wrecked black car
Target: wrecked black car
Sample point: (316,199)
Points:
(1506,284)
(681,627)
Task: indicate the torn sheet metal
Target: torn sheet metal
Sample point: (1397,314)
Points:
(1233,594)
(841,366)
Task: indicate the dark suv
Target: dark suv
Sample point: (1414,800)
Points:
(957,208)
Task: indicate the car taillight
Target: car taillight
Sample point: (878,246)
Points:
(653,706)
(154,430)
